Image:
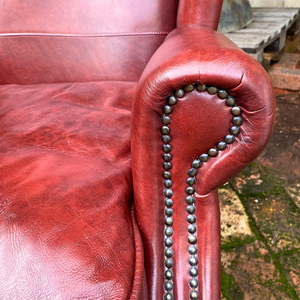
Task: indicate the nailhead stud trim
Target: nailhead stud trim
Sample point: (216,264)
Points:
(234,131)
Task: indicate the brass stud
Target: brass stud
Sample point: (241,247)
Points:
(172,100)
(179,93)
(201,87)
(167,157)
(204,157)
(237,121)
(230,101)
(222,94)
(189,88)
(165,130)
(212,90)
(236,111)
(212,152)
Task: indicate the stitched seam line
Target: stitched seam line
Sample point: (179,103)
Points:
(107,34)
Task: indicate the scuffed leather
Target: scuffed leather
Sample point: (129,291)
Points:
(192,54)
(66,228)
(43,59)
(205,13)
(78,40)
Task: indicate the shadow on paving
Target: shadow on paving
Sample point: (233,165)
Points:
(260,216)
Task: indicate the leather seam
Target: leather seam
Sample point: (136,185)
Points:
(108,34)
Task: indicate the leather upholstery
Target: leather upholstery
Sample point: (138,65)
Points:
(78,40)
(81,187)
(205,14)
(66,224)
(199,121)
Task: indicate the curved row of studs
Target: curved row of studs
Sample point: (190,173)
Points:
(168,193)
(191,181)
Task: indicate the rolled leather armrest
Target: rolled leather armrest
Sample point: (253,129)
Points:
(197,56)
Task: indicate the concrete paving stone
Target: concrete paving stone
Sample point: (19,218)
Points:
(266,201)
(254,273)
(291,265)
(234,221)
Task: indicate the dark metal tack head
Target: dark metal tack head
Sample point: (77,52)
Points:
(193,271)
(166,175)
(191,219)
(168,296)
(168,183)
(179,93)
(194,295)
(192,228)
(189,88)
(191,181)
(190,190)
(165,120)
(230,101)
(169,221)
(168,285)
(168,242)
(168,193)
(167,157)
(190,209)
(223,94)
(167,166)
(168,274)
(169,263)
(194,283)
(221,146)
(204,157)
(165,130)
(201,87)
(168,232)
(193,260)
(235,130)
(169,253)
(192,172)
(193,250)
(237,121)
(166,148)
(169,212)
(192,239)
(212,90)
(212,152)
(166,139)
(172,100)
(236,111)
(229,139)
(168,202)
(190,199)
(196,164)
(167,109)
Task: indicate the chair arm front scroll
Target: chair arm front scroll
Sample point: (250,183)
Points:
(206,74)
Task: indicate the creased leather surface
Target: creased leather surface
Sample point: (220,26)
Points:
(192,54)
(52,59)
(65,193)
(205,13)
(78,40)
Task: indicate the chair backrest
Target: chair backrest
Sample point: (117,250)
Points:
(44,41)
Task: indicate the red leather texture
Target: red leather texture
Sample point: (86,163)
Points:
(78,40)
(43,59)
(205,13)
(66,226)
(193,54)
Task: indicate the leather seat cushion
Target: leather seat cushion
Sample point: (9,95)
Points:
(66,230)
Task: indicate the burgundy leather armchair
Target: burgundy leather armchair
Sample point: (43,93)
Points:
(119,121)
